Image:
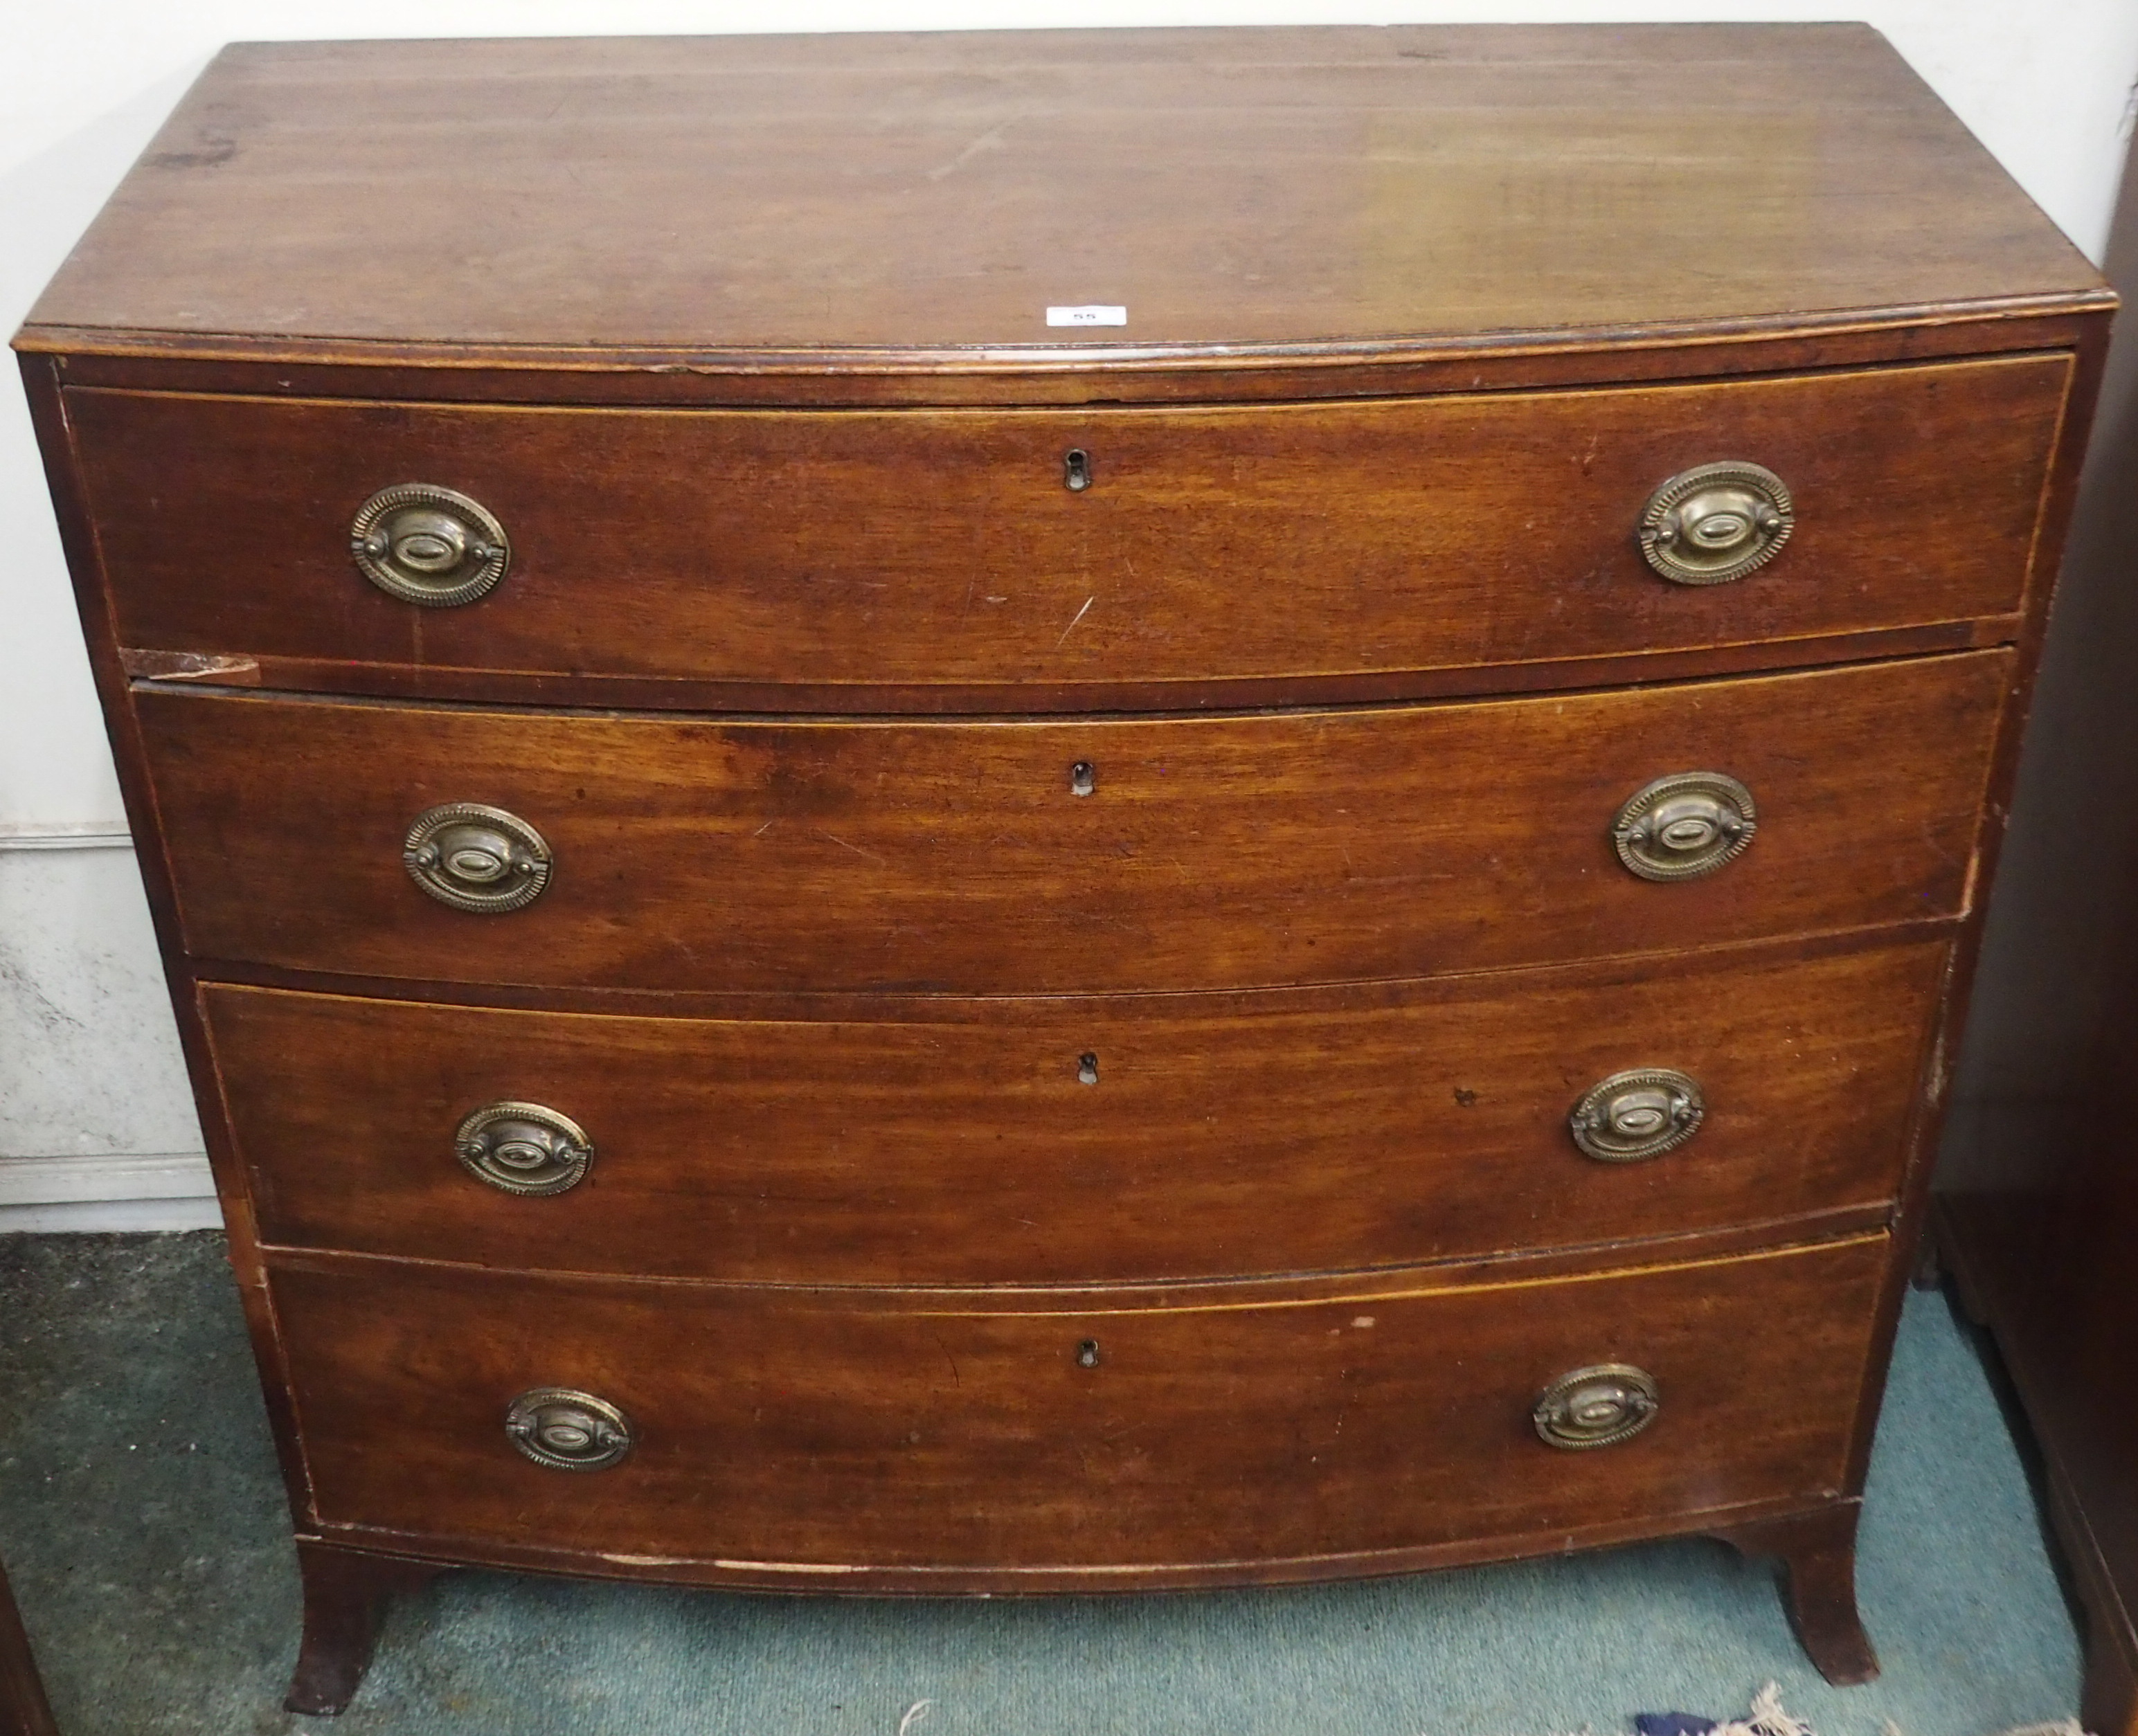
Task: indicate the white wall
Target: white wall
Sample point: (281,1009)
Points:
(92,1099)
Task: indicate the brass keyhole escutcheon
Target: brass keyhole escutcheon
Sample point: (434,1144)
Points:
(428,545)
(1716,523)
(1083,779)
(523,1148)
(1076,470)
(1087,1353)
(1685,825)
(476,858)
(567,1430)
(1087,1068)
(1596,1407)
(1638,1115)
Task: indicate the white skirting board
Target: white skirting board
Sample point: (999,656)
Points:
(168,1191)
(97,1128)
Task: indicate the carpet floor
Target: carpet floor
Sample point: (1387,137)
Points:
(141,1519)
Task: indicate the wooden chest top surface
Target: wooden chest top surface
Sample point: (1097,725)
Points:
(923,200)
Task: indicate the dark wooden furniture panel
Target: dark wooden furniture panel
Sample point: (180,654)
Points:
(906,548)
(956,857)
(2037,1201)
(2047,1268)
(970,1142)
(961,1440)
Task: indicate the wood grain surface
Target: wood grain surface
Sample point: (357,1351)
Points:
(933,195)
(847,548)
(1222,1136)
(954,857)
(958,1437)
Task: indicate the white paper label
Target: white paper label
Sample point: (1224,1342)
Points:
(1092,315)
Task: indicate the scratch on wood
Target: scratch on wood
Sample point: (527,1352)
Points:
(1079,616)
(154,666)
(788,1567)
(870,854)
(956,1380)
(990,141)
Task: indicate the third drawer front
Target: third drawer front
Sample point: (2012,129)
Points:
(985,1441)
(1078,856)
(1038,1142)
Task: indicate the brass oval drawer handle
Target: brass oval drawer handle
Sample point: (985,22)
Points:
(1716,522)
(523,1148)
(1638,1115)
(567,1430)
(428,545)
(476,858)
(1683,825)
(1596,1407)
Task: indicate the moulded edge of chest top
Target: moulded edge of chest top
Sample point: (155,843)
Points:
(1067,374)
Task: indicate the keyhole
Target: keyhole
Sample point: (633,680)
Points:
(1077,470)
(1087,1068)
(1083,779)
(1087,1353)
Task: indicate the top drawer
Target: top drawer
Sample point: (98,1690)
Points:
(860,551)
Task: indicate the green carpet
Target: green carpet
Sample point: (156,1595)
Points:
(142,1521)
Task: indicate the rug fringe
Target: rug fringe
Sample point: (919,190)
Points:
(1769,1718)
(1766,1718)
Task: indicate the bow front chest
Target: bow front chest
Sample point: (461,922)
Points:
(1067,811)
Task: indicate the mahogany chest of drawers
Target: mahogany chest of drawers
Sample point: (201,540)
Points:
(1075,811)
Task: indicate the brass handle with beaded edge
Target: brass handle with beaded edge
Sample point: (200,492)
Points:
(1683,825)
(1596,1407)
(478,858)
(1636,1114)
(523,1148)
(567,1430)
(429,545)
(1716,523)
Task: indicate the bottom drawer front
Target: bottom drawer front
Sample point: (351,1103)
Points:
(974,1434)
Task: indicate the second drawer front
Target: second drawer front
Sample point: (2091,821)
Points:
(1041,1143)
(1081,857)
(974,1437)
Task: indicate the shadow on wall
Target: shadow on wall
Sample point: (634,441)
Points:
(2069,877)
